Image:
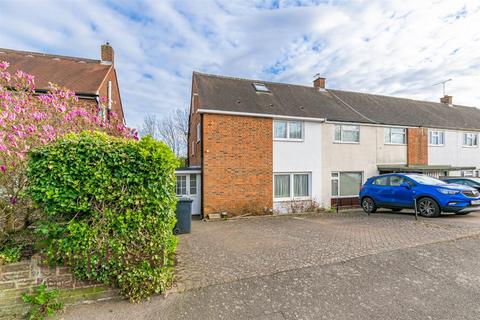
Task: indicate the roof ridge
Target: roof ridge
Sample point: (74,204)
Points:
(248,79)
(49,55)
(403,98)
(305,86)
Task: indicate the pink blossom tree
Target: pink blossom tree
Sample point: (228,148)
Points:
(29,120)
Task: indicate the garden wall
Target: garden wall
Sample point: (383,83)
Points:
(21,277)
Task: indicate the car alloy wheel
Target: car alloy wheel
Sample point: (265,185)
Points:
(368,205)
(428,208)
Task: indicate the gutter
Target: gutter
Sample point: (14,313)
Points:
(259,115)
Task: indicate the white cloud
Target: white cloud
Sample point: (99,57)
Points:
(389,47)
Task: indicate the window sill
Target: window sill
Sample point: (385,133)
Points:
(464,146)
(340,197)
(291,199)
(394,144)
(345,142)
(436,145)
(288,140)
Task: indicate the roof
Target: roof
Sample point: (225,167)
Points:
(78,74)
(228,94)
(420,168)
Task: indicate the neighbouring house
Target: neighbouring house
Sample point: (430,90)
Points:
(270,146)
(90,79)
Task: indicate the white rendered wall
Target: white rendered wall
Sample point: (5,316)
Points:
(301,156)
(453,152)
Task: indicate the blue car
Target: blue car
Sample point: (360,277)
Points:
(400,191)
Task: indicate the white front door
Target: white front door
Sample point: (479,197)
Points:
(188,185)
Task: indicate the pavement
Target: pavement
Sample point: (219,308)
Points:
(318,266)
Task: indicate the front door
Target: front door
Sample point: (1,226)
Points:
(188,186)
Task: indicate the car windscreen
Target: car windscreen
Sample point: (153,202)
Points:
(426,179)
(475,180)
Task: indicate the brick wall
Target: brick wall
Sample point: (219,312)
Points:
(194,158)
(417,146)
(24,276)
(116,99)
(237,164)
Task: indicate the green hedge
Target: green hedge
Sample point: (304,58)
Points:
(111,207)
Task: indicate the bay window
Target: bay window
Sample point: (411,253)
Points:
(395,135)
(346,184)
(291,186)
(347,133)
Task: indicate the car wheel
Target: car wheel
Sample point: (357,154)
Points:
(397,209)
(427,207)
(462,213)
(368,205)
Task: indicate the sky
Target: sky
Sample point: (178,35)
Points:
(398,47)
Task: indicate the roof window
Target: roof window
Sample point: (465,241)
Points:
(260,87)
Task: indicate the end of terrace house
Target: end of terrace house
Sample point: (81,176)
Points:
(264,146)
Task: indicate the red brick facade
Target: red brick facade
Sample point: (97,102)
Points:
(417,146)
(194,146)
(116,100)
(237,164)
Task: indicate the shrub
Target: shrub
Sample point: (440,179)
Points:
(43,303)
(29,120)
(10,254)
(111,205)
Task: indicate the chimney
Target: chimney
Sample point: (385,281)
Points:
(319,82)
(107,53)
(446,100)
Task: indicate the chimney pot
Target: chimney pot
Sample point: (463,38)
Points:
(446,99)
(107,53)
(319,83)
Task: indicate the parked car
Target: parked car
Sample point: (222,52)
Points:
(466,181)
(433,196)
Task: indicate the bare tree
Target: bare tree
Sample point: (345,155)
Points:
(149,126)
(172,129)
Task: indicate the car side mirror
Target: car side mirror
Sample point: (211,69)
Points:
(406,185)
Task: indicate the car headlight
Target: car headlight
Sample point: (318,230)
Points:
(448,191)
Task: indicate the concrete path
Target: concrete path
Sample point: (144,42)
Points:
(329,266)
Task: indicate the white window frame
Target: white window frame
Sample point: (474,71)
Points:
(338,184)
(470,135)
(390,134)
(291,197)
(187,185)
(341,133)
(199,132)
(436,134)
(288,122)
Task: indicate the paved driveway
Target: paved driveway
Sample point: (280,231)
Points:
(330,266)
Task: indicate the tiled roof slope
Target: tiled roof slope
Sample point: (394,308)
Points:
(78,74)
(238,95)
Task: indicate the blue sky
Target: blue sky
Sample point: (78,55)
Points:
(392,47)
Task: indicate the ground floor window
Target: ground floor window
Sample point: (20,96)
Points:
(186,184)
(291,185)
(346,184)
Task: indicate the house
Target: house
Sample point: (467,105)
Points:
(267,146)
(90,79)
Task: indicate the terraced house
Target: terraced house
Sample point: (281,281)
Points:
(257,145)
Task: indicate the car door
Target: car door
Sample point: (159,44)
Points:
(380,190)
(401,196)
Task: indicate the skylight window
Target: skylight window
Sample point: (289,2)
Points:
(260,87)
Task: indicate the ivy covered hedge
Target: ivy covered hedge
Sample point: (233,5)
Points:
(111,208)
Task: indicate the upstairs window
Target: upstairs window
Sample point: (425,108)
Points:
(436,138)
(288,130)
(199,132)
(395,135)
(260,87)
(470,139)
(347,133)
